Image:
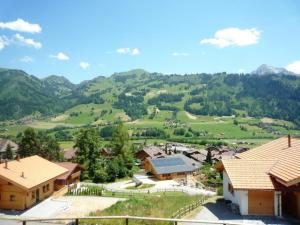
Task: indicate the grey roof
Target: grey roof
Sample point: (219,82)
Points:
(173,164)
(5,142)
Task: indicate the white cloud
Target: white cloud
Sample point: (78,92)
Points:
(294,67)
(180,54)
(3,42)
(233,36)
(84,65)
(60,56)
(21,26)
(27,41)
(241,71)
(133,51)
(27,59)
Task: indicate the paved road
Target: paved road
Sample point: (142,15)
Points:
(221,212)
(166,185)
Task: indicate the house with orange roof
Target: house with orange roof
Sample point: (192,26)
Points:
(24,182)
(265,180)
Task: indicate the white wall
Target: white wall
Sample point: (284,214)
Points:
(239,197)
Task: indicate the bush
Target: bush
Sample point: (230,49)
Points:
(220,191)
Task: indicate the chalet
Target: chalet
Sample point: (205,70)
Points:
(171,167)
(24,182)
(3,145)
(195,155)
(70,178)
(265,180)
(150,152)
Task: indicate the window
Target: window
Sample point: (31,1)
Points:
(33,195)
(44,189)
(12,198)
(230,188)
(47,187)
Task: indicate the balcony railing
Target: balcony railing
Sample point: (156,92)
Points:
(126,219)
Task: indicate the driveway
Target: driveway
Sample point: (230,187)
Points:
(212,211)
(67,206)
(160,185)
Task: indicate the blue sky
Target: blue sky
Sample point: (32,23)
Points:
(84,39)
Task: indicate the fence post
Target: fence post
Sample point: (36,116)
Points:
(23,222)
(126,221)
(76,221)
(175,222)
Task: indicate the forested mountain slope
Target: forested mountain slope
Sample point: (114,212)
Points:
(139,93)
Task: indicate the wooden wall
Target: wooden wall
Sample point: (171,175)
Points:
(22,198)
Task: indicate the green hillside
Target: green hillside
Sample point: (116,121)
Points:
(153,105)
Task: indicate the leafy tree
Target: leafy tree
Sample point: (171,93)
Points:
(50,149)
(29,144)
(107,131)
(8,152)
(88,145)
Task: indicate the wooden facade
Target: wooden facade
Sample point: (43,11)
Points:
(17,198)
(165,176)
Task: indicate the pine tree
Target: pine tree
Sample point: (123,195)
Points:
(119,142)
(8,152)
(208,157)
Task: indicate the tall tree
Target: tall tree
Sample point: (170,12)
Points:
(50,149)
(208,157)
(8,152)
(122,151)
(29,144)
(120,139)
(88,144)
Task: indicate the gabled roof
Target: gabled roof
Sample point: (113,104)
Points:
(36,170)
(5,142)
(154,151)
(173,164)
(283,166)
(249,174)
(70,167)
(287,166)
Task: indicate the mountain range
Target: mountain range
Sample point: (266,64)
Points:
(136,92)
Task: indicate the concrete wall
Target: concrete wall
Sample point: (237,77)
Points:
(238,197)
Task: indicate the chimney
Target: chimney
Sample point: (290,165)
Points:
(6,164)
(22,175)
(289,141)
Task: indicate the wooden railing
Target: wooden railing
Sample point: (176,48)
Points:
(126,219)
(187,209)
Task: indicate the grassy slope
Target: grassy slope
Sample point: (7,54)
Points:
(147,206)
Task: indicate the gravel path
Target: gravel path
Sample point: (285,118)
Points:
(84,205)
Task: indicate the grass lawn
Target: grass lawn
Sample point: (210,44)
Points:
(146,206)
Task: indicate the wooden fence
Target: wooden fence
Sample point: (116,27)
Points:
(98,191)
(187,209)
